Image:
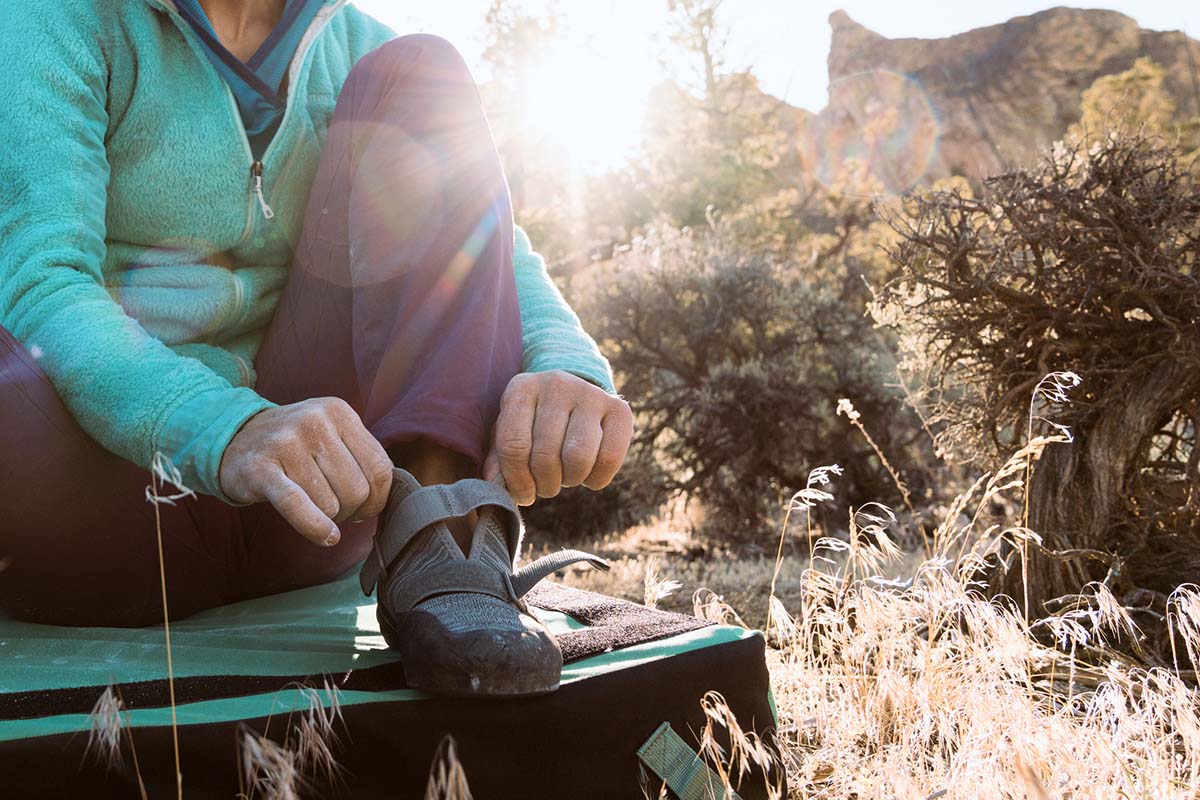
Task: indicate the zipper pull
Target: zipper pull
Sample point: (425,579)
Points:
(256,172)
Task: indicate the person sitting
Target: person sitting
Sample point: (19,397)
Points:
(269,245)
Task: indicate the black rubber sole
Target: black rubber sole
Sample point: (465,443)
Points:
(480,665)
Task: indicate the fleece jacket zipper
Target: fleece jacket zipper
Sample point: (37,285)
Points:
(256,175)
(298,60)
(257,169)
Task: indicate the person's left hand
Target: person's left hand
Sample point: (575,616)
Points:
(557,430)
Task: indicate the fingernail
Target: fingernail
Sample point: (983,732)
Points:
(333,539)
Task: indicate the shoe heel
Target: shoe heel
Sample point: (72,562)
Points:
(387,629)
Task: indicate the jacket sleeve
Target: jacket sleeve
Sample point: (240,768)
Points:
(552,336)
(126,389)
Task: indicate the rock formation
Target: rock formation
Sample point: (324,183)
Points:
(977,102)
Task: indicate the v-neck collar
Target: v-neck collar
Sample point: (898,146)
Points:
(256,147)
(264,71)
(258,85)
(292,9)
(203,28)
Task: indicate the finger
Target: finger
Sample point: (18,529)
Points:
(545,457)
(581,445)
(376,467)
(345,477)
(305,473)
(618,431)
(514,440)
(295,506)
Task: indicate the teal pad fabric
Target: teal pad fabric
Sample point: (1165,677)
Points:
(327,630)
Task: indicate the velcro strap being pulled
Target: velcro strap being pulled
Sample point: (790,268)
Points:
(474,577)
(428,506)
(530,574)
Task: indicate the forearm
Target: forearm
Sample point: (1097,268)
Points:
(552,335)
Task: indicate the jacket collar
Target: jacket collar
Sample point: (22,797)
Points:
(169,5)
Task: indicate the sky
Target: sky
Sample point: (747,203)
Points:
(613,51)
(785,41)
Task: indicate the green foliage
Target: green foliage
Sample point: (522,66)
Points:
(699,155)
(735,360)
(1134,102)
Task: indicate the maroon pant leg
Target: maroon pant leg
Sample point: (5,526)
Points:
(401,300)
(77,537)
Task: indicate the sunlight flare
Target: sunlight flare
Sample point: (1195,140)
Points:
(586,106)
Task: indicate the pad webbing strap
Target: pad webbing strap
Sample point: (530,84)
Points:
(678,766)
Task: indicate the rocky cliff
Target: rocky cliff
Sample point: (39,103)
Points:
(980,101)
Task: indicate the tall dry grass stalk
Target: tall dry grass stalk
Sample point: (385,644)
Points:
(1054,389)
(746,755)
(162,472)
(846,408)
(806,499)
(268,768)
(654,587)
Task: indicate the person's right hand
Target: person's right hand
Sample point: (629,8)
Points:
(314,461)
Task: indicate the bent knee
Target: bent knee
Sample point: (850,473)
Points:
(416,50)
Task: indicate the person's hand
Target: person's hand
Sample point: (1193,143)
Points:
(557,430)
(314,461)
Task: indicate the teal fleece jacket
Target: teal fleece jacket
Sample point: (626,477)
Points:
(124,171)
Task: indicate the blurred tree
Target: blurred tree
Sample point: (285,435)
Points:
(695,29)
(538,172)
(716,139)
(574,219)
(515,37)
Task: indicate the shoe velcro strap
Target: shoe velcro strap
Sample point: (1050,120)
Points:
(531,573)
(430,505)
(464,575)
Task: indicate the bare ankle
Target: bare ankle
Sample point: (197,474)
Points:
(430,463)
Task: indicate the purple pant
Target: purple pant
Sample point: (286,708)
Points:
(401,300)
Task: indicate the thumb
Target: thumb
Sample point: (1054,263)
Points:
(491,466)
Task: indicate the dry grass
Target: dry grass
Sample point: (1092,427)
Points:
(895,677)
(304,762)
(109,732)
(447,778)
